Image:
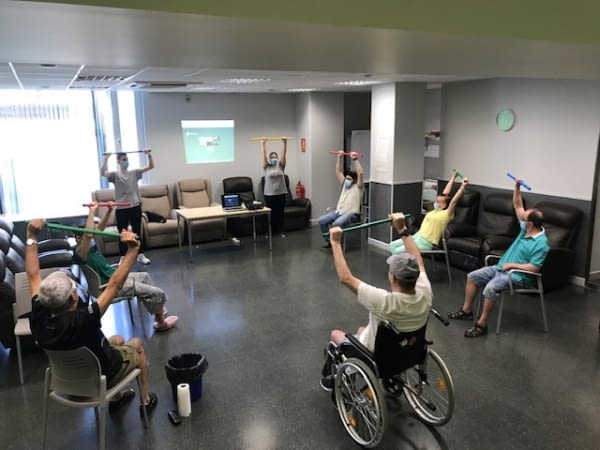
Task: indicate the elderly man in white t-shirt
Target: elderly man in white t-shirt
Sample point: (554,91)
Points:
(406,306)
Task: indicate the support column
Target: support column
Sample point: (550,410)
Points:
(397,153)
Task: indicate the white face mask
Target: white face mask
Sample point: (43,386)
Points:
(436,205)
(274,161)
(347,184)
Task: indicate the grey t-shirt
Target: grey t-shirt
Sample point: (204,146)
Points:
(126,186)
(275,180)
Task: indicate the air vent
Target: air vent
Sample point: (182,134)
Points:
(147,85)
(103,78)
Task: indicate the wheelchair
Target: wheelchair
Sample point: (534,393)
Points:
(402,363)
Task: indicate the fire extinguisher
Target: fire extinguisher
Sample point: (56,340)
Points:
(300,190)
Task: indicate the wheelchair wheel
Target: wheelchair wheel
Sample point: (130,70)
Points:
(429,390)
(360,402)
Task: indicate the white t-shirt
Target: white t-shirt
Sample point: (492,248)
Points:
(408,312)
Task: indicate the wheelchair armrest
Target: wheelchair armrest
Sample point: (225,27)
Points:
(360,347)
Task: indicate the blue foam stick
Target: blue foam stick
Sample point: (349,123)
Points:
(522,183)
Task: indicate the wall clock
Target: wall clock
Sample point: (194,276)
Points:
(505,119)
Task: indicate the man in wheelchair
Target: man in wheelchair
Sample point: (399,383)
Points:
(391,355)
(406,306)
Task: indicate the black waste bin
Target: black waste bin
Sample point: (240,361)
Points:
(186,368)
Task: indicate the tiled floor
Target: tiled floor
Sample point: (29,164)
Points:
(261,319)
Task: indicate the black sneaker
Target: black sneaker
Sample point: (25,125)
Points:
(327,383)
(151,406)
(326,246)
(126,396)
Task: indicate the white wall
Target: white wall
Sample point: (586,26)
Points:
(254,115)
(552,145)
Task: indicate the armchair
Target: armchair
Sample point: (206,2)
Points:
(196,193)
(297,211)
(157,199)
(561,223)
(495,230)
(242,226)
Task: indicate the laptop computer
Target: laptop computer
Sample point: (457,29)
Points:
(231,202)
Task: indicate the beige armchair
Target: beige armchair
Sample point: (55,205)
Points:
(196,193)
(108,246)
(157,199)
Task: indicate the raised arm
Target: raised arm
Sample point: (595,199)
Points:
(32,262)
(104,220)
(399,224)
(339,261)
(150,164)
(104,166)
(283,160)
(115,283)
(518,200)
(360,172)
(83,247)
(263,148)
(339,169)
(449,184)
(457,196)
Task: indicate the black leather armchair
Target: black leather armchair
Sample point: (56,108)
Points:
(561,222)
(494,232)
(297,210)
(242,226)
(467,208)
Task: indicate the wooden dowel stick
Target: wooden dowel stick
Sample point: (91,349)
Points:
(271,138)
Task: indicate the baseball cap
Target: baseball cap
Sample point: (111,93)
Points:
(55,290)
(404,267)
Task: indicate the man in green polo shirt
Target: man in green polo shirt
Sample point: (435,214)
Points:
(527,252)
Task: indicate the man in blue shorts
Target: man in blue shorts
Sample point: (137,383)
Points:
(527,252)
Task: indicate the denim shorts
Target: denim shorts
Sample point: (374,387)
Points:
(493,281)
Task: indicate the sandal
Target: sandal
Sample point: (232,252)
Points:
(169,322)
(461,315)
(476,331)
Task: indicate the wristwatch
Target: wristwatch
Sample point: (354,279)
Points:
(30,241)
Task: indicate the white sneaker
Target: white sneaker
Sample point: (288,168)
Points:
(141,258)
(235,241)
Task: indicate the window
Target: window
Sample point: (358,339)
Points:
(52,142)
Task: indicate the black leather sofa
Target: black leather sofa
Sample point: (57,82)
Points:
(493,232)
(562,223)
(52,253)
(242,226)
(297,210)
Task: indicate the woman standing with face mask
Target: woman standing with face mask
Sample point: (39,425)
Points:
(275,189)
(127,191)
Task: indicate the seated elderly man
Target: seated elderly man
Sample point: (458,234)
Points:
(406,305)
(60,322)
(527,252)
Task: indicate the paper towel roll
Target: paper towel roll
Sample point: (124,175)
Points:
(184,403)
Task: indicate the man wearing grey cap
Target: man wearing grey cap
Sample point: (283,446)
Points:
(406,305)
(59,322)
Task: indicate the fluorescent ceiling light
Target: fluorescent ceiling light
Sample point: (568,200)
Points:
(245,80)
(355,83)
(303,90)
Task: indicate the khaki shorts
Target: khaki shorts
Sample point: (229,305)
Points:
(129,356)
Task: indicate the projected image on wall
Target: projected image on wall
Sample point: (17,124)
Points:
(207,141)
